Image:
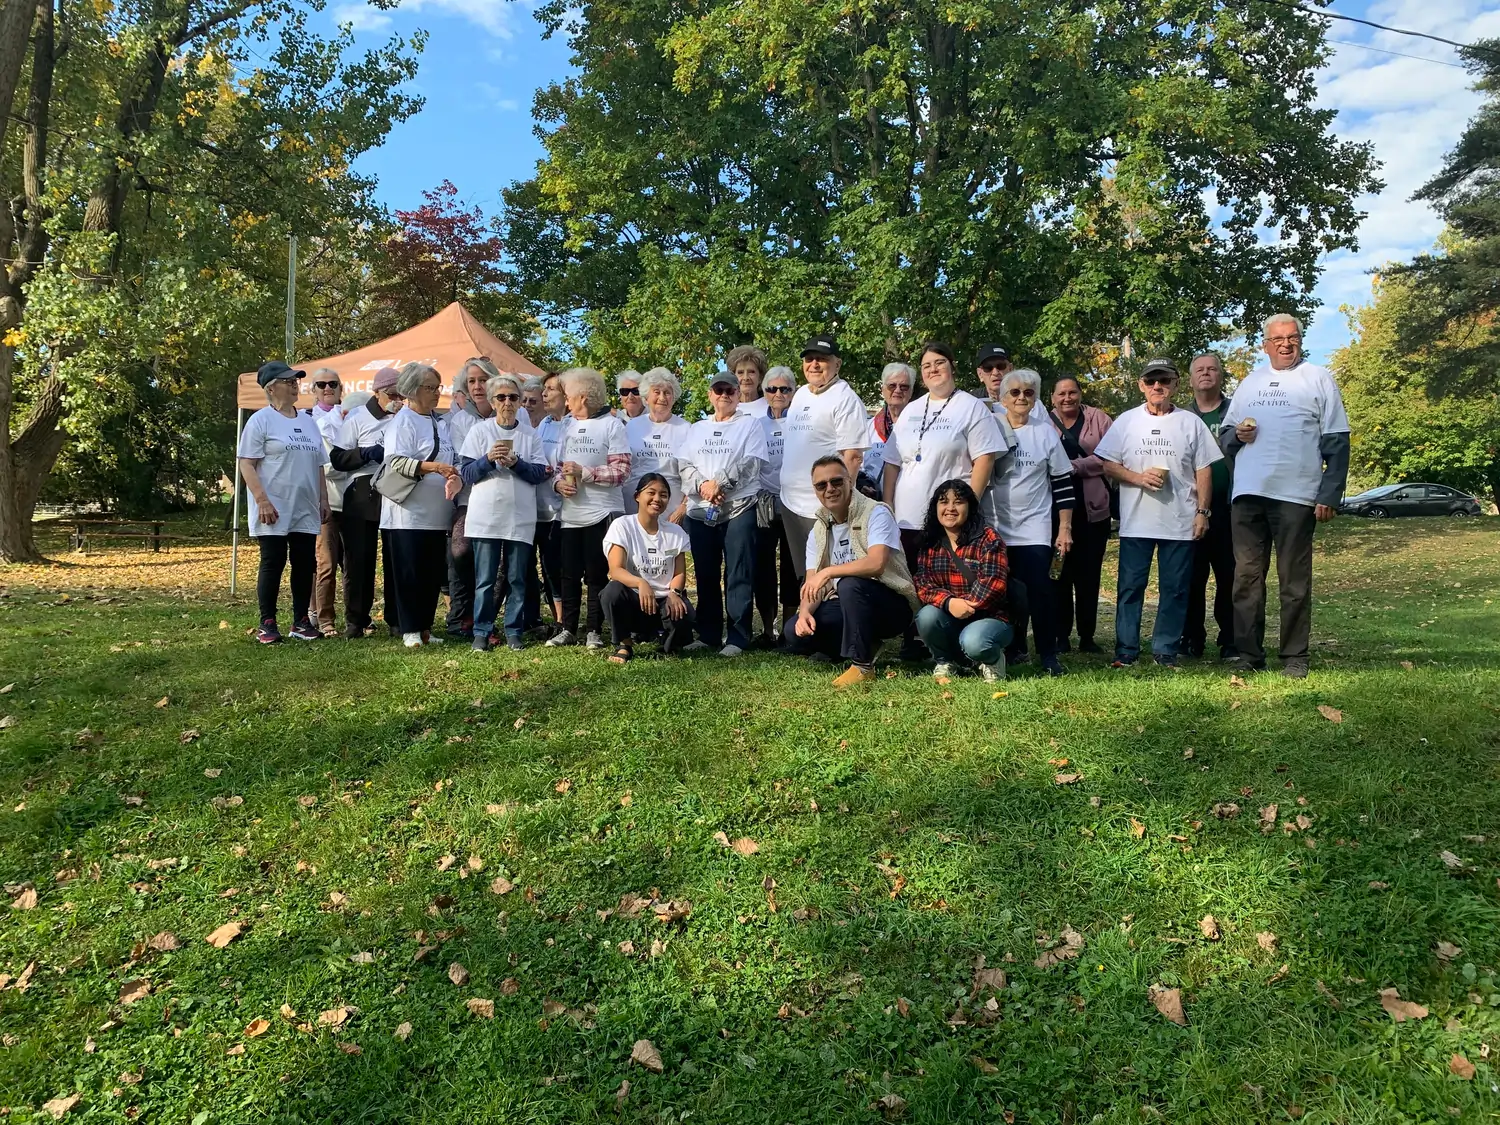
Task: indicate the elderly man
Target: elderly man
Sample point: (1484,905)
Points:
(468,389)
(1215,551)
(858,590)
(1161,458)
(628,388)
(328,393)
(992,365)
(826,418)
(1288,436)
(359,452)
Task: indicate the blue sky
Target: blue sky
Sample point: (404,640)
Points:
(486,58)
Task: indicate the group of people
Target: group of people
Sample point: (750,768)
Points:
(951,520)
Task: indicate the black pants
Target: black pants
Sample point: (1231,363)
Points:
(548,584)
(582,550)
(1077,588)
(853,624)
(1258,525)
(363,540)
(1213,553)
(1032,565)
(460,577)
(798,529)
(418,563)
(769,543)
(274,549)
(622,609)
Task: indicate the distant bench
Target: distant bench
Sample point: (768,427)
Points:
(80,531)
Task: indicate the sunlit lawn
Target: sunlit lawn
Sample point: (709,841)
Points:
(899,835)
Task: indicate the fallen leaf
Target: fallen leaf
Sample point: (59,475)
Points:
(132,800)
(1137,829)
(622,1093)
(982,1066)
(1168,1002)
(7,689)
(1058,762)
(1095,801)
(501,886)
(1451,861)
(1377,885)
(307,800)
(1328,995)
(552,1008)
(484,1009)
(1461,1068)
(26,900)
(1400,1010)
(1066,778)
(225,934)
(1071,945)
(1332,714)
(892,1105)
(646,1055)
(722,839)
(349,1048)
(497,810)
(364,958)
(510,986)
(1408,665)
(336,1017)
(1226,810)
(256,1028)
(985,979)
(1268,816)
(999,695)
(948,696)
(1236,681)
(1447,951)
(458,974)
(768,885)
(190,735)
(1267,941)
(474,863)
(287,1012)
(211,773)
(903,1006)
(1208,926)
(562,786)
(232,802)
(672,911)
(164,700)
(403,1031)
(745,846)
(446,862)
(59,1106)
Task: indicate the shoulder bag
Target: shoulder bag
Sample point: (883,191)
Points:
(394,486)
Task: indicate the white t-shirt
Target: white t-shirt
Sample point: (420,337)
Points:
(959,430)
(774,430)
(291,456)
(502,505)
(590,443)
(654,448)
(331,426)
(548,500)
(737,446)
(818,425)
(1018,502)
(361,430)
(460,422)
(1178,442)
(1292,409)
(757,409)
(652,557)
(425,507)
(882,531)
(873,465)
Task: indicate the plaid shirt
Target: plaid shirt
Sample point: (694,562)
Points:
(938,577)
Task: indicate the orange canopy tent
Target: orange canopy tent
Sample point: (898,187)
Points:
(443,342)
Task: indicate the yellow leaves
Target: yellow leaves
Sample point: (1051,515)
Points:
(256,1028)
(1460,1067)
(225,934)
(14,337)
(478,1006)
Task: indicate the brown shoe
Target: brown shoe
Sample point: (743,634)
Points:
(855,675)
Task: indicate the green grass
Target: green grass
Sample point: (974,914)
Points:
(955,796)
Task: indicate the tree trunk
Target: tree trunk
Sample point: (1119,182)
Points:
(25,463)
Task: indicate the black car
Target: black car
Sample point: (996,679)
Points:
(1411,500)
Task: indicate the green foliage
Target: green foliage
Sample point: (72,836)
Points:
(1407,421)
(1049,175)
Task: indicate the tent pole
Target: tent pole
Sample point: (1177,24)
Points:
(234,550)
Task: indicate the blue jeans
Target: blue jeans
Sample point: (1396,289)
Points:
(498,561)
(981,639)
(1174,575)
(726,547)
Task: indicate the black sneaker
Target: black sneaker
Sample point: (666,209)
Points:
(1242,666)
(305,630)
(268,633)
(1166,662)
(1053,667)
(354,632)
(1228,654)
(1090,647)
(515,644)
(1294,669)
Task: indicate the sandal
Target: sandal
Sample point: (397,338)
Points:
(621,654)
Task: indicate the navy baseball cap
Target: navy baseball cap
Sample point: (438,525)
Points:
(988,352)
(276,369)
(1159,367)
(823,344)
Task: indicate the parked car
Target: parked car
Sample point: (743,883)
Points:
(1411,500)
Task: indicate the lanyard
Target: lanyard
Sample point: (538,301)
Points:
(922,433)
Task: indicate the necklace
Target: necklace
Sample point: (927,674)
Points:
(926,425)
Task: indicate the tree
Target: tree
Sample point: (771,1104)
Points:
(1054,175)
(1403,427)
(164,160)
(1455,299)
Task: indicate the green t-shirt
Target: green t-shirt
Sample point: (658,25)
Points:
(1211,419)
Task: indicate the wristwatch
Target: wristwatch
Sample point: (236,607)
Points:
(1204,512)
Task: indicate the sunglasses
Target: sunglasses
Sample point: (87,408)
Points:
(725,388)
(1022,392)
(834,485)
(505,398)
(1158,380)
(778,390)
(992,368)
(626,392)
(892,388)
(327,386)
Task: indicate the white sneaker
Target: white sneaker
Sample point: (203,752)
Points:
(696,646)
(942,671)
(993,673)
(411,640)
(594,640)
(731,650)
(433,639)
(562,639)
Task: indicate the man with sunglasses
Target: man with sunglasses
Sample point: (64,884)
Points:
(1162,459)
(858,591)
(359,452)
(992,365)
(468,389)
(328,392)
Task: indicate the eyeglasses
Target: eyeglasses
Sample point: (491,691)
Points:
(894,388)
(778,390)
(429,387)
(328,386)
(1021,392)
(626,392)
(834,485)
(285,379)
(1283,339)
(505,398)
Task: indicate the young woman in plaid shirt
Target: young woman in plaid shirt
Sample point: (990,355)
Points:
(961,580)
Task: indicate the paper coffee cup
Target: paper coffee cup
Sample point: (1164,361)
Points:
(1250,422)
(506,445)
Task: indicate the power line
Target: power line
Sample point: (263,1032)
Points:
(1378,26)
(1398,54)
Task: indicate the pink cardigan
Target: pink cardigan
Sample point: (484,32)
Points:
(1089,469)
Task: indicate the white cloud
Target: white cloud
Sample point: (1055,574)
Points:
(361,17)
(493,16)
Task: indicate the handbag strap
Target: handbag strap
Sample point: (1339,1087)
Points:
(963,567)
(436,441)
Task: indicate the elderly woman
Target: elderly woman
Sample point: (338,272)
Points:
(647,588)
(359,452)
(770,531)
(1026,488)
(531,400)
(1080,427)
(628,388)
(502,462)
(896,383)
(281,457)
(417,508)
(722,460)
(468,389)
(655,438)
(961,581)
(747,364)
(593,461)
(328,392)
(549,430)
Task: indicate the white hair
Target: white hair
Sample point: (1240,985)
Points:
(898,369)
(495,382)
(531,383)
(661,377)
(486,368)
(1279,318)
(589,383)
(326,372)
(409,381)
(1024,376)
(354,400)
(780,371)
(629,375)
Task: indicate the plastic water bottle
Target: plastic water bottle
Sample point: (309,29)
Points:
(711,515)
(1056,569)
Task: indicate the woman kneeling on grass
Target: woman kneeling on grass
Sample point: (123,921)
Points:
(647,574)
(961,572)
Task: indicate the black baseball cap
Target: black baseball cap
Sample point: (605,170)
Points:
(988,352)
(1159,367)
(823,344)
(276,369)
